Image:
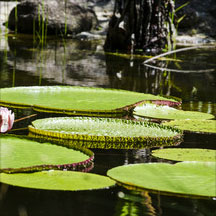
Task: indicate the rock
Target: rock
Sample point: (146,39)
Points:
(54,17)
(88,36)
(200,17)
(197,39)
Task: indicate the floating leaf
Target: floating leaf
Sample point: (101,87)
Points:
(105,130)
(185,154)
(101,144)
(74,100)
(57,180)
(21,155)
(154,111)
(185,178)
(199,126)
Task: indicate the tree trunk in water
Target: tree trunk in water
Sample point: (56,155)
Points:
(144,25)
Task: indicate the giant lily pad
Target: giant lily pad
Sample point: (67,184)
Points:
(155,111)
(105,130)
(185,154)
(199,126)
(185,178)
(73,100)
(20,155)
(101,144)
(57,180)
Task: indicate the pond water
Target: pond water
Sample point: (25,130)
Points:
(25,62)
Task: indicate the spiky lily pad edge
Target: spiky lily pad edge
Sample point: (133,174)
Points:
(117,139)
(98,145)
(83,166)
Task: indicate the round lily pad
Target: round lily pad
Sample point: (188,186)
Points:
(73,100)
(105,130)
(151,110)
(199,126)
(20,155)
(57,180)
(184,178)
(186,154)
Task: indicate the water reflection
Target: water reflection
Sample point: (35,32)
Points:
(144,203)
(56,203)
(73,62)
(69,62)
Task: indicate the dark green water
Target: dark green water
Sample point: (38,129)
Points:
(83,63)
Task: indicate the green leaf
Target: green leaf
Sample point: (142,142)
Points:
(105,130)
(199,126)
(57,180)
(20,155)
(185,178)
(186,154)
(73,100)
(166,112)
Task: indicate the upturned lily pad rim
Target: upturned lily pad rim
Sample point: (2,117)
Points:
(131,186)
(119,111)
(57,185)
(98,145)
(85,165)
(117,139)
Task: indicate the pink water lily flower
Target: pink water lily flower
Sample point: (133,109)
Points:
(6,119)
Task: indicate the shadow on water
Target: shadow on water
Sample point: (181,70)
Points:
(74,62)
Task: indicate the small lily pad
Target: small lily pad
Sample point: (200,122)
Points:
(105,130)
(57,180)
(186,154)
(151,110)
(184,178)
(74,100)
(199,126)
(23,155)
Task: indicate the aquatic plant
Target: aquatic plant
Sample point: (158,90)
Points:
(186,154)
(194,125)
(58,180)
(23,155)
(105,130)
(6,119)
(157,111)
(75,100)
(184,178)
